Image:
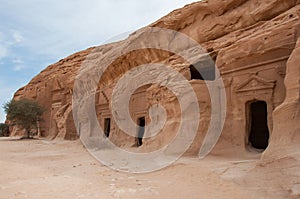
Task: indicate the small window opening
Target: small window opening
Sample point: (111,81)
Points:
(203,71)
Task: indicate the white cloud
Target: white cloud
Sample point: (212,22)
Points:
(3,47)
(19,64)
(19,67)
(57,31)
(17,36)
(8,40)
(18,61)
(3,51)
(1,37)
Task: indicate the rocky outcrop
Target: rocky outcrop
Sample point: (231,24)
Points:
(52,88)
(250,41)
(286,132)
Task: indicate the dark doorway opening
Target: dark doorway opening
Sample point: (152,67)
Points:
(106,127)
(141,130)
(259,131)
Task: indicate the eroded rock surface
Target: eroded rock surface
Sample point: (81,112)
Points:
(250,42)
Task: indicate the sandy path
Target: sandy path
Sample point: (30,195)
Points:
(41,169)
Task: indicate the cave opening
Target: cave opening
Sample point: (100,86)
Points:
(259,131)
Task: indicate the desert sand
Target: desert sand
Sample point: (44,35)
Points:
(63,169)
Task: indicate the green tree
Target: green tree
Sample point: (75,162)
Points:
(4,129)
(25,113)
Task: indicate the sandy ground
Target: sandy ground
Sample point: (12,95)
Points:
(38,169)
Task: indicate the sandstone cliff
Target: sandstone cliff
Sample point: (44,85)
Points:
(250,41)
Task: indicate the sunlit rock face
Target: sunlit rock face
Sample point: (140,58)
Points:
(253,44)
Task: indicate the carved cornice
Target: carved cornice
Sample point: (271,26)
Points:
(255,83)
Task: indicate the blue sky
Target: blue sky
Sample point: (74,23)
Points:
(35,33)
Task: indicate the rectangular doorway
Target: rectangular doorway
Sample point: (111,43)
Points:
(106,127)
(259,131)
(141,130)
